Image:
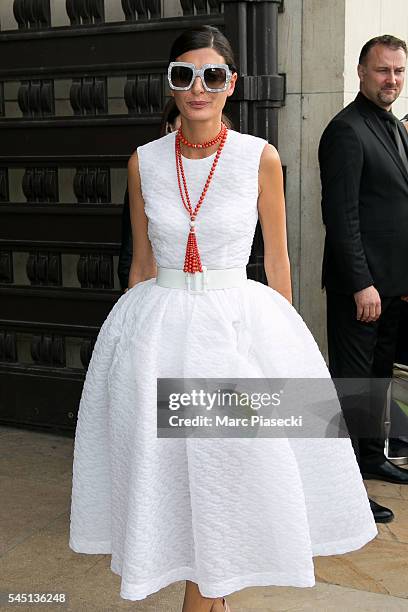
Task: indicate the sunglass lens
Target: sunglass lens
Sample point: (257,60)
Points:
(181,76)
(215,78)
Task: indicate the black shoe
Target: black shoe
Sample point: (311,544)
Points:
(384,471)
(381,513)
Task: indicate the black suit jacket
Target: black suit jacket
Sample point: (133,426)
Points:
(364,203)
(126,247)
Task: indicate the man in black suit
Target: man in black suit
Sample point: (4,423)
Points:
(364,174)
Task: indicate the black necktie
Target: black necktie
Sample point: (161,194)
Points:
(392,126)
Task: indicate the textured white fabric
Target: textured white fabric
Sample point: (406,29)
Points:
(224,513)
(226,222)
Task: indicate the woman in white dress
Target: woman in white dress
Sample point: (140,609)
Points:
(222,514)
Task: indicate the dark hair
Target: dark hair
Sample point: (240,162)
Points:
(201,37)
(169,115)
(387,40)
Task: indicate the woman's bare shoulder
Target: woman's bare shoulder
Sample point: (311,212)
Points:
(270,154)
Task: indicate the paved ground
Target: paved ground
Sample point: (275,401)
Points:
(35,475)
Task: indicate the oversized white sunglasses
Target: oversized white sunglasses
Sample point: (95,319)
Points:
(214,77)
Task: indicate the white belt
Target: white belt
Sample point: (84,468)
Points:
(198,282)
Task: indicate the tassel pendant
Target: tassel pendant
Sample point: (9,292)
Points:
(192,261)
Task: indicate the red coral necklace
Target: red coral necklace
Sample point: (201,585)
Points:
(192,261)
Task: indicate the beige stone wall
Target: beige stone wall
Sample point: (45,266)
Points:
(311,52)
(319,44)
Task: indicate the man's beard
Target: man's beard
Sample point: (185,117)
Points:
(388,98)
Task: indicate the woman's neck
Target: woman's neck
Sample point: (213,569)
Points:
(199,132)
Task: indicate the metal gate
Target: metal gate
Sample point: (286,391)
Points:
(75,102)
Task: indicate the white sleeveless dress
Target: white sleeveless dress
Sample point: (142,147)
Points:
(224,513)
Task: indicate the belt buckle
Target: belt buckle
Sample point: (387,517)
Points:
(195,277)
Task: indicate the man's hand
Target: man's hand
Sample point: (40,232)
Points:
(404,297)
(368,303)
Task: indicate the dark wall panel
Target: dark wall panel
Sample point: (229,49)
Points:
(57,258)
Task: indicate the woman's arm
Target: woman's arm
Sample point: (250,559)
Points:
(143,264)
(125,253)
(272,217)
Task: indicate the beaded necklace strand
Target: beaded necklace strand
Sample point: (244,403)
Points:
(192,261)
